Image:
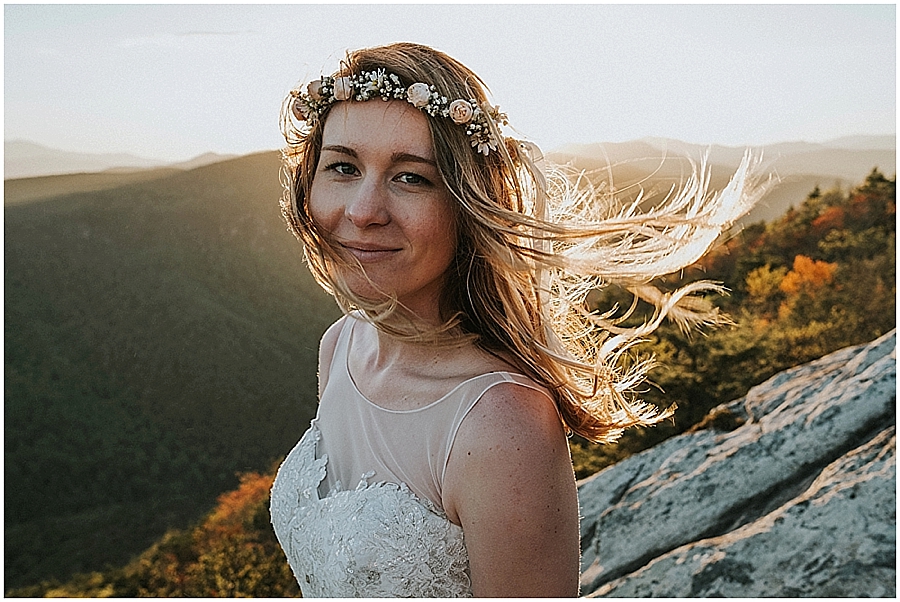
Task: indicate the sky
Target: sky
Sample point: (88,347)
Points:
(171,81)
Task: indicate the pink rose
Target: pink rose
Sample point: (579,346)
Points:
(343,88)
(418,94)
(314,89)
(461,111)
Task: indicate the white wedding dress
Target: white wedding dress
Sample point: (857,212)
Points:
(386,535)
(377,540)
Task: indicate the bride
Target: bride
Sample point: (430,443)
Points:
(437,464)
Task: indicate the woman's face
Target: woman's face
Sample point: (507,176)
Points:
(378,191)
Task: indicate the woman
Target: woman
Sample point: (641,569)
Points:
(437,464)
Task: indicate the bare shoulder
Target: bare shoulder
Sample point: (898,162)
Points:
(510,485)
(509,412)
(513,433)
(327,345)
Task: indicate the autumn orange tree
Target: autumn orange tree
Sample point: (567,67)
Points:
(232,553)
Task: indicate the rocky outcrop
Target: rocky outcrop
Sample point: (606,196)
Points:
(798,500)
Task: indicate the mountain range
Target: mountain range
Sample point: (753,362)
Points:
(24,159)
(657,164)
(797,167)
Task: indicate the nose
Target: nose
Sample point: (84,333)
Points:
(368,206)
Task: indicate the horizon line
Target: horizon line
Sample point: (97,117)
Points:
(161,161)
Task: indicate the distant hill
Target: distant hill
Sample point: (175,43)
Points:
(863,142)
(26,190)
(160,335)
(24,159)
(800,166)
(201,160)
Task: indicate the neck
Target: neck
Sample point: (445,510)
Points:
(387,348)
(381,352)
(390,350)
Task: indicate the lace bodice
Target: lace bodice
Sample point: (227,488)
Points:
(377,540)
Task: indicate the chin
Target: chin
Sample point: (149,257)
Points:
(364,289)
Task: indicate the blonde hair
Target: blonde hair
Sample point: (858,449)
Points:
(532,243)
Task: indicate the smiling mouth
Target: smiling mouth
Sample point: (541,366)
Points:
(369,253)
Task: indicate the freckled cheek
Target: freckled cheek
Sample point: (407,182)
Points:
(448,239)
(442,240)
(322,207)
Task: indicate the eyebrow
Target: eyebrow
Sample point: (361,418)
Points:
(395,158)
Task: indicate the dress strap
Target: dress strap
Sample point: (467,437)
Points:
(341,346)
(477,387)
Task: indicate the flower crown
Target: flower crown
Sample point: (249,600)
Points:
(322,93)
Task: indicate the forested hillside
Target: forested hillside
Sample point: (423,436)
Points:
(231,553)
(821,277)
(160,336)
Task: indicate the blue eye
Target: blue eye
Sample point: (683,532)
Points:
(412,178)
(345,169)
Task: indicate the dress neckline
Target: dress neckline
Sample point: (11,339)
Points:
(349,338)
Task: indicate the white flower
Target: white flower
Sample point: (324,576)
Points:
(300,109)
(484,146)
(461,111)
(377,79)
(343,88)
(418,94)
(314,89)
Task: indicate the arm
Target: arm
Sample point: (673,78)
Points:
(510,484)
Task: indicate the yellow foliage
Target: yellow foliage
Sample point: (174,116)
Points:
(92,585)
(763,282)
(232,553)
(235,506)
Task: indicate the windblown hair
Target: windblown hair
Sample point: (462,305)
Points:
(532,243)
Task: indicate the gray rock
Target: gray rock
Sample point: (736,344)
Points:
(696,515)
(824,543)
